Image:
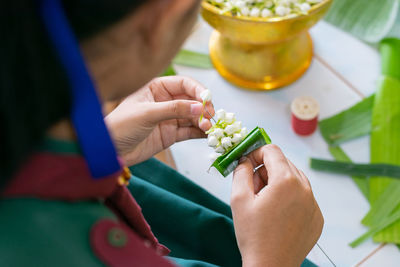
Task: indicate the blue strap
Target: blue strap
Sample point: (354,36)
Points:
(86,115)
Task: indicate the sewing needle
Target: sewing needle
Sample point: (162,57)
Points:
(210,115)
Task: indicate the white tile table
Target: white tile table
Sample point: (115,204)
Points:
(342,72)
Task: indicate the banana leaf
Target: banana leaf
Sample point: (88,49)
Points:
(369,20)
(348,124)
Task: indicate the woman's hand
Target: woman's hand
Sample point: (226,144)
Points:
(165,111)
(277,220)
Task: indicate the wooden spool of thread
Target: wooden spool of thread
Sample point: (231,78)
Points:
(305,111)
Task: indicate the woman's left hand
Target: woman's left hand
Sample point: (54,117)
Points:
(163,112)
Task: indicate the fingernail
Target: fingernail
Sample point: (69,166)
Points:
(196,109)
(242,159)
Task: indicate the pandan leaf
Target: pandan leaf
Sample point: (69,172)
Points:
(359,169)
(193,59)
(348,124)
(385,147)
(371,20)
(361,181)
(383,224)
(383,206)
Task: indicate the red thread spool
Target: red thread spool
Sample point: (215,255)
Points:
(305,111)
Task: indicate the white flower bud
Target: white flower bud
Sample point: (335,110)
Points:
(206,95)
(281,11)
(255,12)
(237,138)
(266,13)
(245,11)
(220,114)
(244,132)
(218,133)
(233,128)
(213,156)
(212,140)
(305,7)
(230,129)
(226,142)
(240,4)
(220,149)
(238,125)
(229,117)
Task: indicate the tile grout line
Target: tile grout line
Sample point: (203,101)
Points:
(372,253)
(337,74)
(352,87)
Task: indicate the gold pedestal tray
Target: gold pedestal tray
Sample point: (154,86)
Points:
(261,53)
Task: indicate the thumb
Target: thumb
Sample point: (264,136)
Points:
(242,184)
(174,109)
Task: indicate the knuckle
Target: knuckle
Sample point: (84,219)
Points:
(236,199)
(272,147)
(174,107)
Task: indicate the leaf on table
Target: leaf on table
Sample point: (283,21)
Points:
(371,20)
(361,181)
(193,59)
(359,169)
(385,147)
(384,205)
(348,124)
(170,71)
(382,226)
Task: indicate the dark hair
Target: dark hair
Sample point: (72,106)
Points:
(34,90)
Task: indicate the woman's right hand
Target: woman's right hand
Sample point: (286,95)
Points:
(277,220)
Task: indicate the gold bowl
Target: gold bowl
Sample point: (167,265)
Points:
(261,53)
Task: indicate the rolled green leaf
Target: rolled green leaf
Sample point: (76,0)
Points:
(360,181)
(226,163)
(385,147)
(357,169)
(371,20)
(193,59)
(348,124)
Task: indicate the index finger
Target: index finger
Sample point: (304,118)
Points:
(181,87)
(274,160)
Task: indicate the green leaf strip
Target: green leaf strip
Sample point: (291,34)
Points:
(384,205)
(357,169)
(193,59)
(385,147)
(348,124)
(361,181)
(383,224)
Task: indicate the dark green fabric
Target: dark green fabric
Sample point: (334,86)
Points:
(57,146)
(167,178)
(196,226)
(42,233)
(191,263)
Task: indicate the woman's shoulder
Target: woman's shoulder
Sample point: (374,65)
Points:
(52,233)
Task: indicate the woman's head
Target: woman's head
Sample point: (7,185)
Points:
(125,43)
